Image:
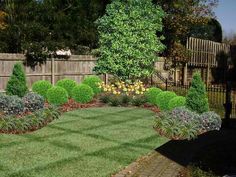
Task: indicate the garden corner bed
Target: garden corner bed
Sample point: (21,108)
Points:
(92,142)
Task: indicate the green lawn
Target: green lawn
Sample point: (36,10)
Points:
(84,143)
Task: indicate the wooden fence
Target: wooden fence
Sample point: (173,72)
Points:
(76,67)
(204,53)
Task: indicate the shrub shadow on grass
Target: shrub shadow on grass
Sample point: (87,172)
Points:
(213,151)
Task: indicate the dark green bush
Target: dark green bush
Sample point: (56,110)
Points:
(177,101)
(57,95)
(104,98)
(152,93)
(115,100)
(16,85)
(138,100)
(163,98)
(3,101)
(125,100)
(14,105)
(67,84)
(41,87)
(33,102)
(196,99)
(38,119)
(93,82)
(82,93)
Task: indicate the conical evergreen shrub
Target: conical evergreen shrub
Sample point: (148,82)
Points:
(196,99)
(17,82)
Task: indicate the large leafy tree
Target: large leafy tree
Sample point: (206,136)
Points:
(181,16)
(35,24)
(128,44)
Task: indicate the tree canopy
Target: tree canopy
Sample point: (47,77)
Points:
(128,43)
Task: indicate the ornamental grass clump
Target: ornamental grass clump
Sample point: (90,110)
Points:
(177,101)
(93,82)
(41,87)
(151,94)
(57,95)
(17,82)
(196,99)
(82,93)
(67,84)
(163,98)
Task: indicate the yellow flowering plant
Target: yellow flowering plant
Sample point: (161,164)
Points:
(122,88)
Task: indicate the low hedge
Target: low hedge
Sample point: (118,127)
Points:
(31,122)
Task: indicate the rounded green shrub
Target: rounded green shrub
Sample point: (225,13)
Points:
(57,95)
(41,87)
(177,101)
(17,82)
(82,93)
(93,82)
(151,94)
(67,84)
(163,98)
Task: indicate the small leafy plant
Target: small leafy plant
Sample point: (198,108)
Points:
(13,124)
(33,102)
(138,100)
(182,123)
(13,105)
(115,100)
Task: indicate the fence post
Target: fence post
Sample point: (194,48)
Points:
(53,71)
(106,78)
(166,84)
(228,104)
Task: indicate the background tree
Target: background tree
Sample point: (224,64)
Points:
(211,30)
(127,39)
(181,16)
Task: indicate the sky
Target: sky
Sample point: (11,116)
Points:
(226,15)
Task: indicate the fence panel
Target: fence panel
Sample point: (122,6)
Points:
(76,67)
